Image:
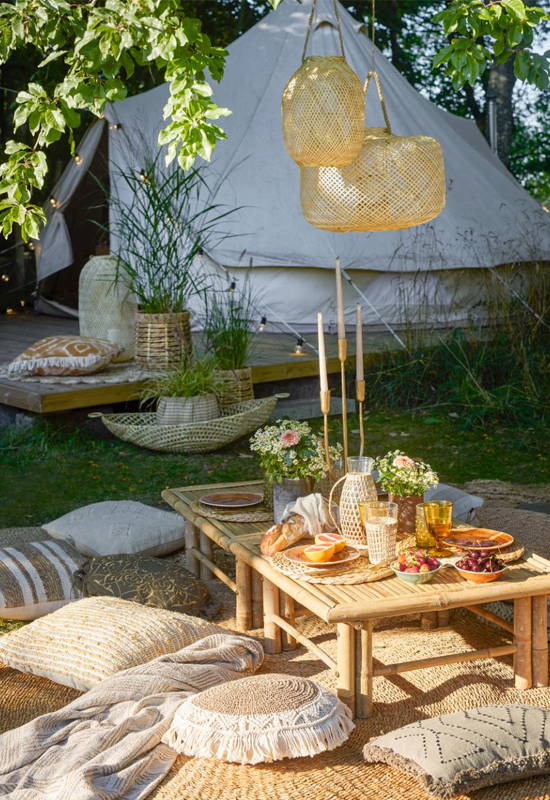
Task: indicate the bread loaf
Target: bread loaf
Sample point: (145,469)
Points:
(283,535)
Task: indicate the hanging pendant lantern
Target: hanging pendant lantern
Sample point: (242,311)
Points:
(395,182)
(323,109)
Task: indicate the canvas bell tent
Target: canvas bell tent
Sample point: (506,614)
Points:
(433,272)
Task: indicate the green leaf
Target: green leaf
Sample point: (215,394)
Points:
(275,3)
(521,66)
(54,55)
(515,8)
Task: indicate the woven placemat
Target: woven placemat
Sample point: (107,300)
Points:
(362,571)
(260,515)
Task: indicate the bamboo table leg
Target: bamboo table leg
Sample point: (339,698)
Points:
(363,669)
(257,601)
(539,652)
(207,549)
(345,664)
(523,639)
(192,542)
(443,618)
(244,596)
(272,632)
(428,620)
(288,613)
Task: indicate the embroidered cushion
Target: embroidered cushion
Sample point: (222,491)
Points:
(65,355)
(260,719)
(120,526)
(458,753)
(37,578)
(87,641)
(143,579)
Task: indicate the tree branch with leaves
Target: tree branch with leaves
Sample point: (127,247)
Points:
(99,44)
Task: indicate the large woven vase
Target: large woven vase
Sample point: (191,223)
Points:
(163,340)
(237,386)
(395,182)
(323,112)
(107,309)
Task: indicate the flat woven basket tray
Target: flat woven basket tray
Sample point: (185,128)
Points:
(261,514)
(361,570)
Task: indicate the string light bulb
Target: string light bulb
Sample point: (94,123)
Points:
(78,160)
(232,287)
(299,347)
(5,278)
(53,202)
(115,126)
(263,323)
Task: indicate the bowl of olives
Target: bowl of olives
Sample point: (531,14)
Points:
(480,566)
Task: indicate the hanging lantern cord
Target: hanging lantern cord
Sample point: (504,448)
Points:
(380,95)
(372,38)
(310,24)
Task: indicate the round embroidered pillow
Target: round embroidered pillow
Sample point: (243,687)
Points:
(260,719)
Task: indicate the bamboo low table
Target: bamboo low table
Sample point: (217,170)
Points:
(269,598)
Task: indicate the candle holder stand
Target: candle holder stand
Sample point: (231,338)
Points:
(360,396)
(342,355)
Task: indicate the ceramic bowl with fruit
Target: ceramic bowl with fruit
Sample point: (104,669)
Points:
(416,566)
(480,566)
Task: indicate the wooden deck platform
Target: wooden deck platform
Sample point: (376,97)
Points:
(273,360)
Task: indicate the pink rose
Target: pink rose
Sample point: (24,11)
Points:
(403,461)
(289,438)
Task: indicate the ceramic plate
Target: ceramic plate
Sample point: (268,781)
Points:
(478,539)
(231,499)
(296,555)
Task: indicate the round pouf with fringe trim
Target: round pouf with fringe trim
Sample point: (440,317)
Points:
(260,719)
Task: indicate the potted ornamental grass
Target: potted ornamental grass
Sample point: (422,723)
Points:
(161,219)
(229,323)
(405,480)
(185,394)
(292,458)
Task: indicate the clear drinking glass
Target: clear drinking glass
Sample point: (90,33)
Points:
(381,529)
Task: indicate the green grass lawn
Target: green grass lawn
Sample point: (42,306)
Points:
(45,472)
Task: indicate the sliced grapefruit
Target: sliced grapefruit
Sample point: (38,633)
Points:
(336,539)
(319,552)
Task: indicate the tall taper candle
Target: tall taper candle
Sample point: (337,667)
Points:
(360,370)
(322,357)
(340,302)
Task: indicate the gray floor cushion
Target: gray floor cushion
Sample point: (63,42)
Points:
(457,753)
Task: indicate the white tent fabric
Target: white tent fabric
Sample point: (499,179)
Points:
(489,219)
(54,251)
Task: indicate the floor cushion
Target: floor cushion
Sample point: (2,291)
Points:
(260,719)
(532,528)
(37,578)
(465,505)
(458,753)
(143,579)
(64,355)
(120,526)
(91,639)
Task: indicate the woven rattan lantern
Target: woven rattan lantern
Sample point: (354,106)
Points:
(323,109)
(395,182)
(107,309)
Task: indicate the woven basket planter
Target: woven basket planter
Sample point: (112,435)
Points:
(237,386)
(182,410)
(395,182)
(163,340)
(196,437)
(323,112)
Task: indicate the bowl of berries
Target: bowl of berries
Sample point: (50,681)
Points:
(480,566)
(416,566)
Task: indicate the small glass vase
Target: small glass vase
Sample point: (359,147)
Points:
(287,492)
(406,516)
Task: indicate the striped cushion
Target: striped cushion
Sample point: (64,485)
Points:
(37,578)
(88,641)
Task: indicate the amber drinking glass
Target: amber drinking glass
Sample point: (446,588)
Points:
(439,518)
(423,537)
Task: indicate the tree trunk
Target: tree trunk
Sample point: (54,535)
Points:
(500,88)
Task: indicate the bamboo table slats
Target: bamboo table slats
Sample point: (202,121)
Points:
(266,597)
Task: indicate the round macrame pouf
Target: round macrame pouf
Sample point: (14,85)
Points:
(260,719)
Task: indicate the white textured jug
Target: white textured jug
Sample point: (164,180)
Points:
(358,488)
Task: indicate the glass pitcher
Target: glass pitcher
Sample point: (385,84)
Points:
(358,487)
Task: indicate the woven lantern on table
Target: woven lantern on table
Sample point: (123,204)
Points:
(107,309)
(395,182)
(323,109)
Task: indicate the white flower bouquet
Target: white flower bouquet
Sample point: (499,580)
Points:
(291,449)
(403,477)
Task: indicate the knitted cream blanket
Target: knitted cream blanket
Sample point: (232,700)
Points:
(106,744)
